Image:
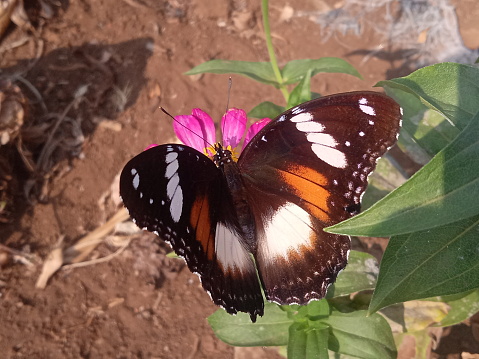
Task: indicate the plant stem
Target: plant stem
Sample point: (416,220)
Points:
(269,45)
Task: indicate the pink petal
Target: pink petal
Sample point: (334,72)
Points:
(254,129)
(196,130)
(233,125)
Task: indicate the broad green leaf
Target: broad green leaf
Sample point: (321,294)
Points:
(317,309)
(444,191)
(302,92)
(440,261)
(271,329)
(295,70)
(314,310)
(297,340)
(449,88)
(259,71)
(266,109)
(317,343)
(360,336)
(360,274)
(459,308)
(424,132)
(307,343)
(415,315)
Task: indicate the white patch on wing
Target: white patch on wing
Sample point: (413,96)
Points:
(171,156)
(368,110)
(171,168)
(173,188)
(176,205)
(172,185)
(136,178)
(302,117)
(322,139)
(310,126)
(296,110)
(330,155)
(288,230)
(175,194)
(363,106)
(230,251)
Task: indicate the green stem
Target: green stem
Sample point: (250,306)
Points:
(269,45)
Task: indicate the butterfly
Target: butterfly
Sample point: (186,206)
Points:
(257,223)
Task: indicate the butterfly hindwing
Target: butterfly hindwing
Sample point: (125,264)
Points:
(179,194)
(309,169)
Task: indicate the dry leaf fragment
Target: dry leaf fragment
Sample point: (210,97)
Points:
(80,250)
(52,264)
(6,10)
(12,111)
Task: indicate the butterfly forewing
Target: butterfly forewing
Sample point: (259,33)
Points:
(178,193)
(309,169)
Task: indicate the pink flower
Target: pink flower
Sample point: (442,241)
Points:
(198,130)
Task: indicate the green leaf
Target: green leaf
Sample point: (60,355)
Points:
(266,109)
(424,132)
(424,264)
(271,329)
(297,341)
(295,70)
(259,71)
(360,336)
(444,191)
(307,343)
(449,88)
(317,309)
(459,308)
(302,92)
(360,274)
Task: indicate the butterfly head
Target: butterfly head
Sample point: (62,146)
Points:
(221,155)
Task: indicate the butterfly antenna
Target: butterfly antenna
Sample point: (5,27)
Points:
(189,129)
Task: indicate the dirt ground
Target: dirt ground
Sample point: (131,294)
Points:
(107,65)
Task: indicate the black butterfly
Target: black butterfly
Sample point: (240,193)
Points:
(263,216)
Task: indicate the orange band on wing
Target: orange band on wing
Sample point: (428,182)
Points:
(200,221)
(309,174)
(307,184)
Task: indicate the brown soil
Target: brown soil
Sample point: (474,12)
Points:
(140,304)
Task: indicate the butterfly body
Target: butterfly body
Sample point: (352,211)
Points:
(304,171)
